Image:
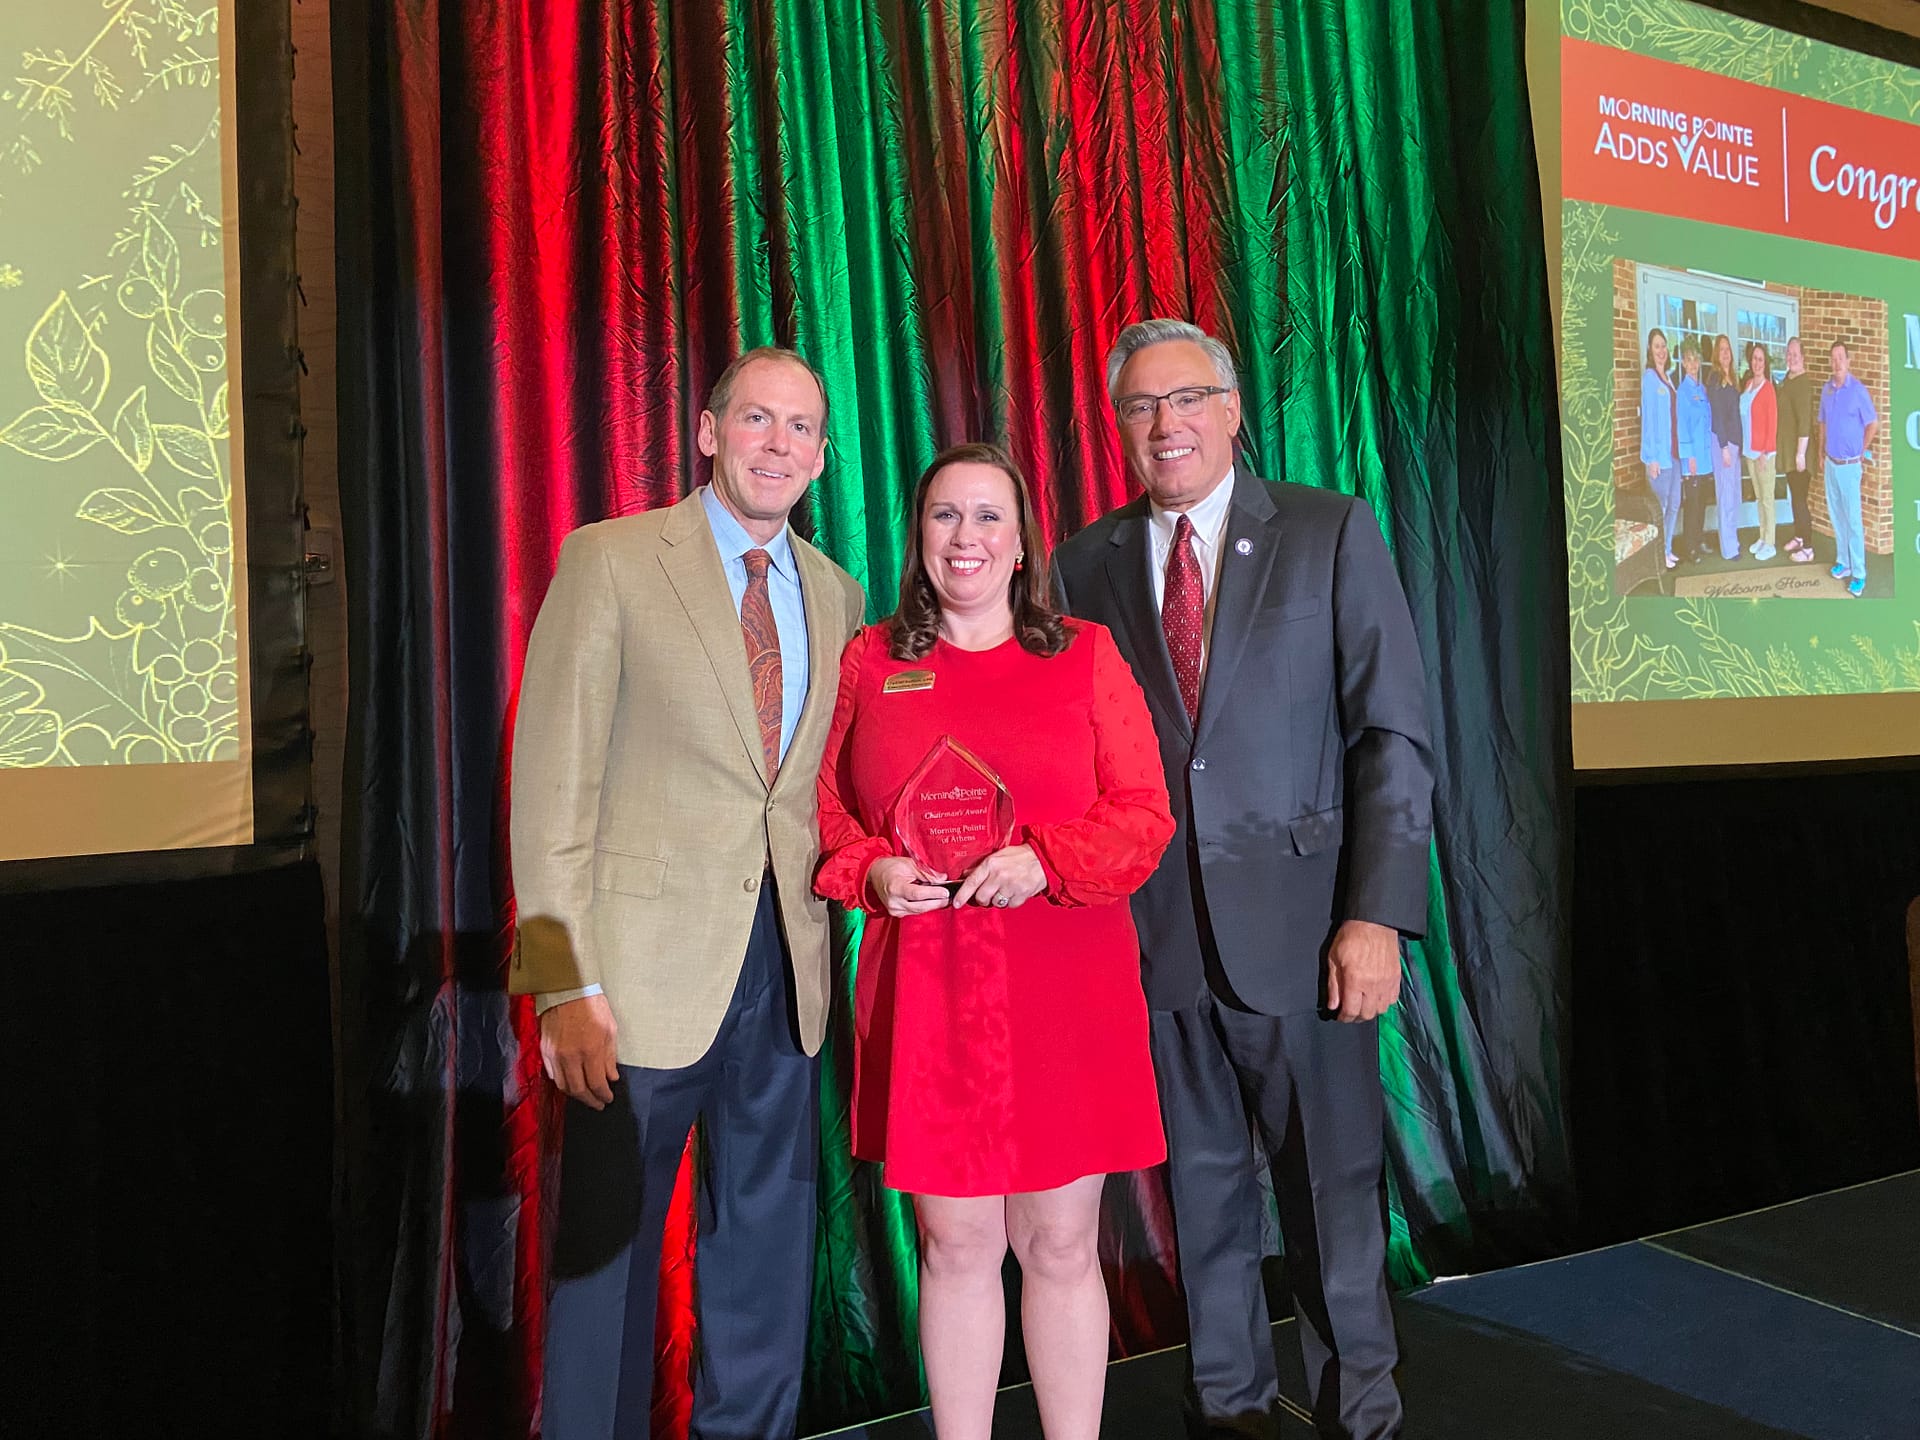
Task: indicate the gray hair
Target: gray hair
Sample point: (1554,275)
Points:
(1142,333)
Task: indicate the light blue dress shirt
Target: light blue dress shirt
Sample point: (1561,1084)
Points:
(783,589)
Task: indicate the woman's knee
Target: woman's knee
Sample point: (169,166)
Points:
(1061,1250)
(955,1247)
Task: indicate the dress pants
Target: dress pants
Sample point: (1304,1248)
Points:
(1693,510)
(1766,493)
(1727,498)
(758,1095)
(1312,1089)
(1843,509)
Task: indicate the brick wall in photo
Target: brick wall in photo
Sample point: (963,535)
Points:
(1827,316)
(1627,360)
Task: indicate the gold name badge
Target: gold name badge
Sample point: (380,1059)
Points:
(907,680)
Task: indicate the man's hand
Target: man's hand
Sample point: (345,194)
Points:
(1653,470)
(903,888)
(576,1047)
(1004,879)
(1363,970)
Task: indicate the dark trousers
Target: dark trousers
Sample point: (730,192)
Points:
(1312,1089)
(1694,493)
(1802,514)
(758,1094)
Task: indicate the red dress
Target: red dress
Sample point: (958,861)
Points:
(999,1051)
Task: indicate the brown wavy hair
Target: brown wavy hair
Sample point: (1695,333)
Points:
(1727,376)
(915,624)
(1656,330)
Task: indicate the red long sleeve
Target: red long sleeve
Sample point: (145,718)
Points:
(846,850)
(1109,852)
(1765,420)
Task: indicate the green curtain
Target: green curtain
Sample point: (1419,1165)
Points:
(560,222)
(1419,372)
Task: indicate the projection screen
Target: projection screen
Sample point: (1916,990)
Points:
(1735,212)
(124,706)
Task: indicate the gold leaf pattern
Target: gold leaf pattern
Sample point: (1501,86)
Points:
(64,362)
(127,511)
(138,661)
(52,432)
(134,431)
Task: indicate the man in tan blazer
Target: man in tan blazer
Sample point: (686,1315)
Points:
(678,687)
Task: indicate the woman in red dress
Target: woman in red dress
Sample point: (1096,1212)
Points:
(1001,1068)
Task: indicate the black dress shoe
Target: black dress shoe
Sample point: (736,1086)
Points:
(1251,1426)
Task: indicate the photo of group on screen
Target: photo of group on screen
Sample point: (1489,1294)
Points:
(1745,472)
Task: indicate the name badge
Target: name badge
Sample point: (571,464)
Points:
(907,680)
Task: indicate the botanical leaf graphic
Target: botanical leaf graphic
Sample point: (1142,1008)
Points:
(134,431)
(29,736)
(188,450)
(93,672)
(160,258)
(51,432)
(88,679)
(171,366)
(127,511)
(197,505)
(65,363)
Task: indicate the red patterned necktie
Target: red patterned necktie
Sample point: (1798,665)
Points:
(1182,613)
(763,656)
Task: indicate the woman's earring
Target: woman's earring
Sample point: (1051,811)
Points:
(1020,561)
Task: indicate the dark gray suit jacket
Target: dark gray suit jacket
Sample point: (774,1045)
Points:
(1304,795)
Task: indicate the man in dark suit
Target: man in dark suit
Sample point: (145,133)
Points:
(1268,628)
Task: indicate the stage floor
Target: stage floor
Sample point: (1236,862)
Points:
(1799,1320)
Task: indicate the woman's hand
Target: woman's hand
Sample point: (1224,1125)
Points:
(903,888)
(1005,878)
(1653,469)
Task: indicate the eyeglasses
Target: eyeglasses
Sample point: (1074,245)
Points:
(1138,409)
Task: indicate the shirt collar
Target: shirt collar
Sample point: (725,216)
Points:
(1209,517)
(733,541)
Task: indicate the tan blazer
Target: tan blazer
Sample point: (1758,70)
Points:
(641,821)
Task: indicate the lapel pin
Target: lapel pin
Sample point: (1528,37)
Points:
(1243,547)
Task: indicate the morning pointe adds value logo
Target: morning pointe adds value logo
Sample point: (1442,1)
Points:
(1720,150)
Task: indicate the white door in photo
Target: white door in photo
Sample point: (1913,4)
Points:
(1700,306)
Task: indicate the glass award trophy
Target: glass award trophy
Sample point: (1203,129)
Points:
(953,812)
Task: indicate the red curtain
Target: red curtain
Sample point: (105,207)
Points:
(559,220)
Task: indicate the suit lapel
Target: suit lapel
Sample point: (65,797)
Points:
(1242,582)
(1129,572)
(692,563)
(826,630)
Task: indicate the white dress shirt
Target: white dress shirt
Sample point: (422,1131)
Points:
(1209,519)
